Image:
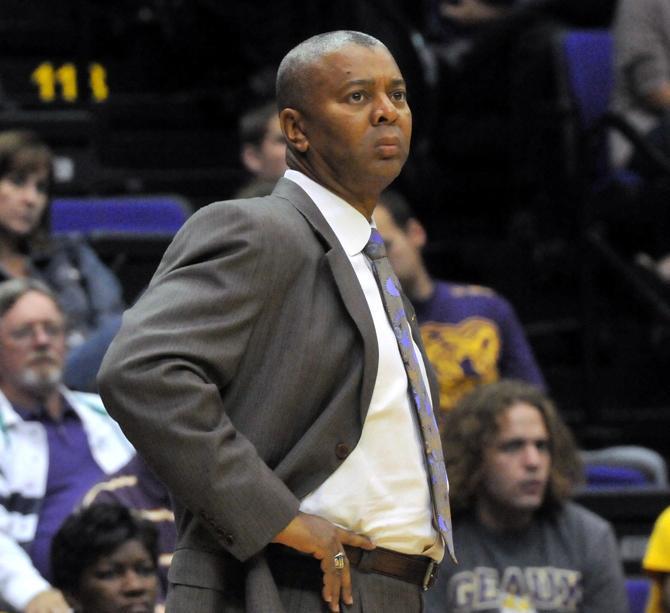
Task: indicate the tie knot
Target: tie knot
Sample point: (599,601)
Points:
(375,248)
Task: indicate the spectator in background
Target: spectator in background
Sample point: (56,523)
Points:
(472,335)
(456,23)
(642,78)
(55,443)
(497,79)
(521,545)
(136,486)
(263,151)
(104,561)
(642,96)
(88,291)
(656,563)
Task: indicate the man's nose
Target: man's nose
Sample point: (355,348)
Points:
(31,193)
(532,455)
(41,336)
(384,111)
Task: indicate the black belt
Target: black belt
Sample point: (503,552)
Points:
(420,570)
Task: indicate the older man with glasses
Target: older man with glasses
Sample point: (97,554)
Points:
(54,443)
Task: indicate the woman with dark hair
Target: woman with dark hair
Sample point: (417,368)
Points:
(87,290)
(104,559)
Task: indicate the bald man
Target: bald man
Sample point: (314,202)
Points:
(263,382)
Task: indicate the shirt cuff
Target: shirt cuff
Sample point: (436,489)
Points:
(23,588)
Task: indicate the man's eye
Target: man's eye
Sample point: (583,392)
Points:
(356,96)
(17,178)
(511,447)
(399,96)
(22,333)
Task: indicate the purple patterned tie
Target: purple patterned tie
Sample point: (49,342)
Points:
(390,291)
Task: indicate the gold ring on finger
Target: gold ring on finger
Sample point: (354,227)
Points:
(339,560)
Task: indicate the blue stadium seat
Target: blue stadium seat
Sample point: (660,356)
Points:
(603,476)
(638,592)
(119,215)
(624,466)
(587,58)
(129,233)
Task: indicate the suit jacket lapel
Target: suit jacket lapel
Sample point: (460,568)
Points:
(345,278)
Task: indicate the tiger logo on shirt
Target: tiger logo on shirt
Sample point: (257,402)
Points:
(464,355)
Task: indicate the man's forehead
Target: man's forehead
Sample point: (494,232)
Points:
(32,305)
(354,59)
(520,418)
(505,437)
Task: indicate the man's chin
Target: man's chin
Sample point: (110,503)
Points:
(42,381)
(529,503)
(387,171)
(392,164)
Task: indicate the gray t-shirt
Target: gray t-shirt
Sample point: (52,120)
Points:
(565,561)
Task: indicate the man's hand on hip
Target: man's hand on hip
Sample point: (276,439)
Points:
(323,540)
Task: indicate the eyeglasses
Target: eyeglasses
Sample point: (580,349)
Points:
(28,332)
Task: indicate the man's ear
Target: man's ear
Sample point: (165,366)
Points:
(416,233)
(250,158)
(292,125)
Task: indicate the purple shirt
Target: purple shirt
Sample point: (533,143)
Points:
(72,472)
(473,336)
(137,487)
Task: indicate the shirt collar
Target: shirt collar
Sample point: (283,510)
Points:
(41,414)
(349,225)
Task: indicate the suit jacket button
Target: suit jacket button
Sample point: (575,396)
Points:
(228,539)
(342,450)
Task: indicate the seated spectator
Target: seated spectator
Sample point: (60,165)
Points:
(136,486)
(55,443)
(263,151)
(642,79)
(656,563)
(104,561)
(471,334)
(642,95)
(521,545)
(457,23)
(88,291)
(497,81)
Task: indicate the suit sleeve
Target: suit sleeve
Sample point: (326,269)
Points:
(165,376)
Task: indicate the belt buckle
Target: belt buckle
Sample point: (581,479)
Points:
(430,576)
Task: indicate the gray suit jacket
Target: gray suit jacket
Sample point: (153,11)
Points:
(243,375)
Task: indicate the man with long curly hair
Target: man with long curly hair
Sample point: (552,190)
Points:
(522,546)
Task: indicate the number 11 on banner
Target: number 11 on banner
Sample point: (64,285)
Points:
(52,80)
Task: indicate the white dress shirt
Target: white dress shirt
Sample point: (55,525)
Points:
(381,490)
